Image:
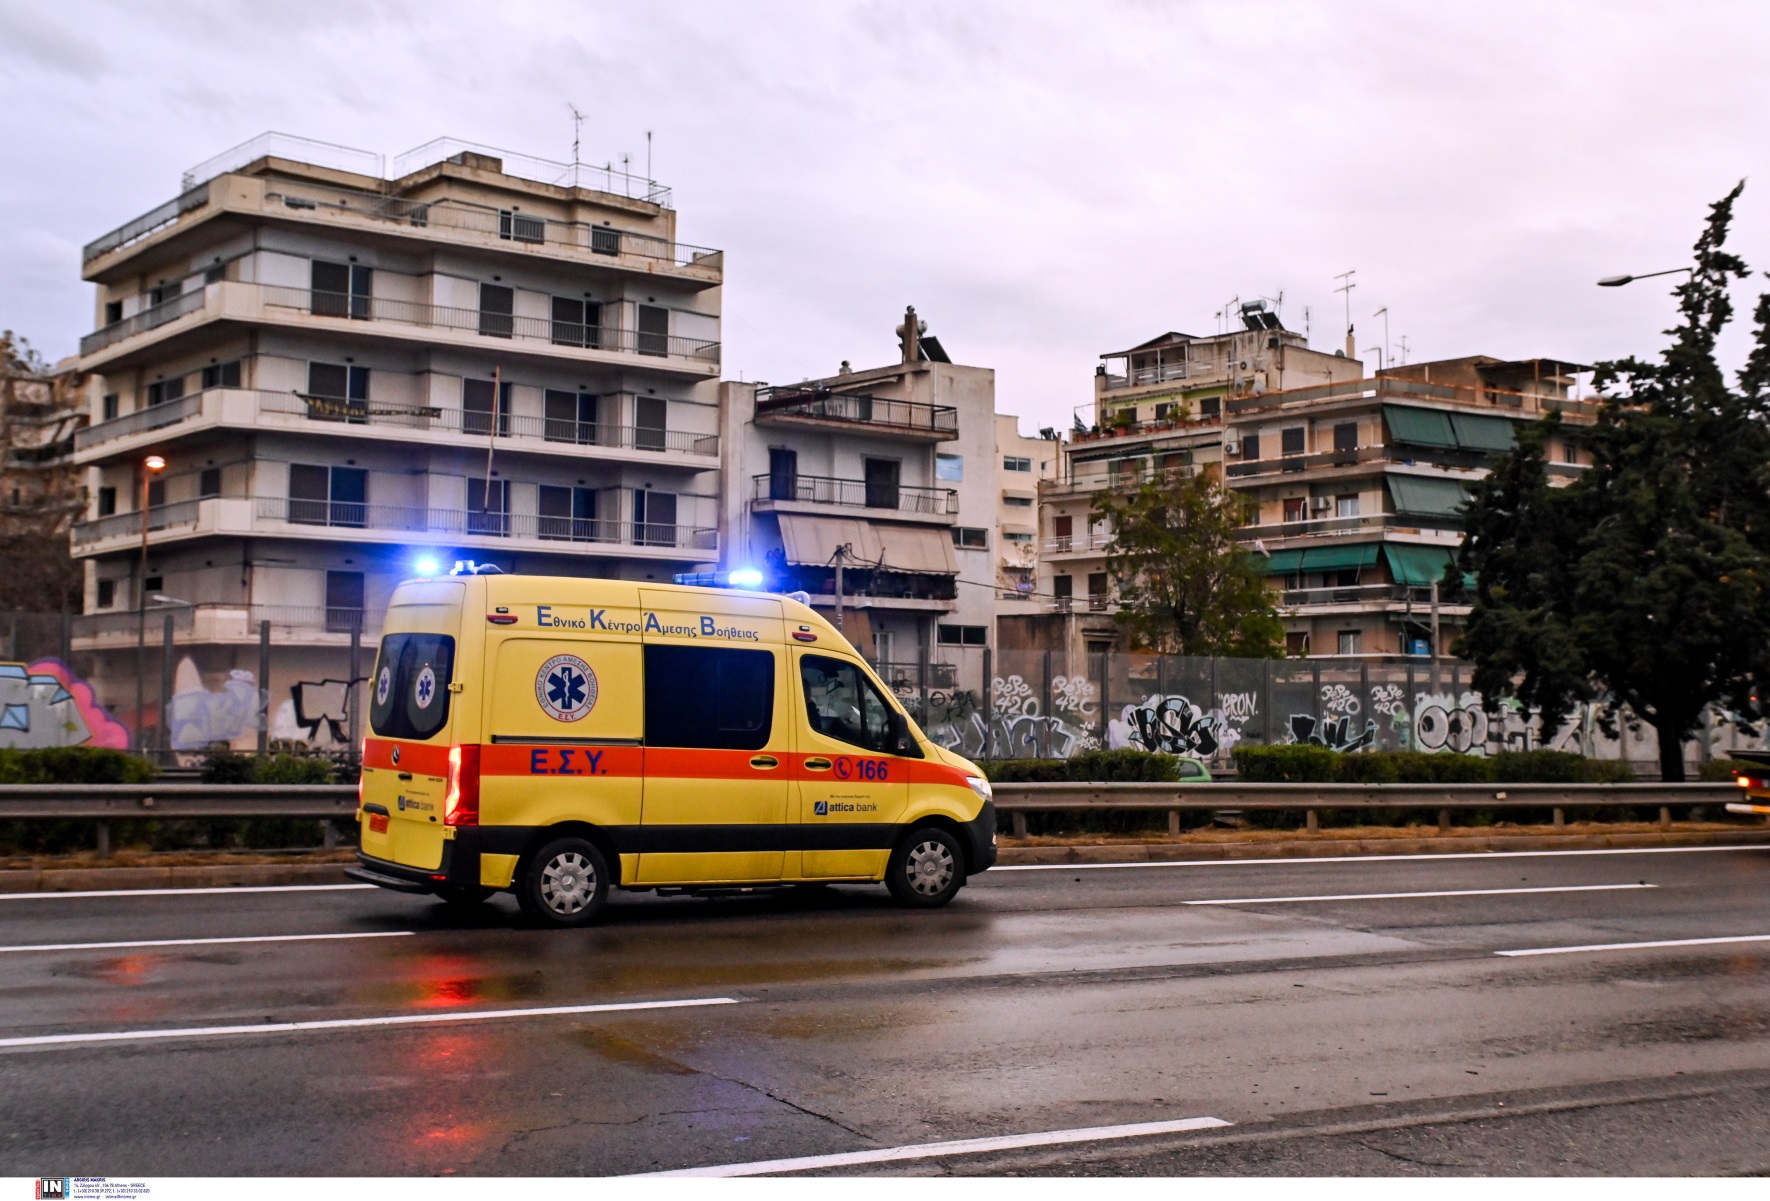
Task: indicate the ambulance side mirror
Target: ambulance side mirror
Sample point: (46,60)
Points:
(898,738)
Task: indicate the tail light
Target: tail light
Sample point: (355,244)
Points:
(461,805)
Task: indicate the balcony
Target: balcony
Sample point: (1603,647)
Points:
(773,492)
(811,408)
(1092,543)
(294,517)
(235,623)
(1380,596)
(248,409)
(1410,523)
(417,321)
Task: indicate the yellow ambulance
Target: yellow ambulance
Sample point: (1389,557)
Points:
(559,737)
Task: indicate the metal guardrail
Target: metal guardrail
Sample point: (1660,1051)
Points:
(122,801)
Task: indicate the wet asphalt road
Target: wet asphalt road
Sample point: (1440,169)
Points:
(1372,1036)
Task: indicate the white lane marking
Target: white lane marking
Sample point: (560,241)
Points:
(1637,946)
(964,1146)
(1390,896)
(195,942)
(178,892)
(401,1019)
(1325,859)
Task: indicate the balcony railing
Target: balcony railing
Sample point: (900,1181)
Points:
(1065,544)
(859,409)
(149,318)
(1353,524)
(1433,456)
(1357,594)
(478,423)
(483,523)
(860,494)
(232,622)
(141,421)
(177,515)
(148,223)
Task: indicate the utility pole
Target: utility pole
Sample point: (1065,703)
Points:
(841,554)
(1345,289)
(1435,637)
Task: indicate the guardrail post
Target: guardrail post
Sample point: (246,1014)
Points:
(328,834)
(1665,817)
(1174,823)
(1560,818)
(1019,824)
(1312,820)
(1444,819)
(104,840)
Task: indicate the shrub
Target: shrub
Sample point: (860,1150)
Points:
(1124,766)
(1286,764)
(1722,771)
(74,765)
(225,766)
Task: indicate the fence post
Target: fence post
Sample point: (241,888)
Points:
(1267,727)
(1045,713)
(165,739)
(1105,677)
(1364,691)
(1408,702)
(351,694)
(989,706)
(264,686)
(1315,693)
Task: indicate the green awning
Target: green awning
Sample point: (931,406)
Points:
(1420,427)
(1428,497)
(1476,431)
(1340,558)
(1421,566)
(1283,562)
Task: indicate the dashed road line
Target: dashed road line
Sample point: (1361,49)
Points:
(1314,860)
(1637,946)
(196,942)
(1392,896)
(179,892)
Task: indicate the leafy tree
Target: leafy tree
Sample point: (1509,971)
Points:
(1645,583)
(1185,585)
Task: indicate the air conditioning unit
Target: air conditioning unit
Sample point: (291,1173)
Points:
(1232,446)
(1321,504)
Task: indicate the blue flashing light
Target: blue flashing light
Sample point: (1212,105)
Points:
(427,565)
(745,577)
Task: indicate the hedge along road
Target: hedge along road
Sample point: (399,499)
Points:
(1042,1008)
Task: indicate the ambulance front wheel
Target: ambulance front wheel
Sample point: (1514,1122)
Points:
(927,869)
(565,883)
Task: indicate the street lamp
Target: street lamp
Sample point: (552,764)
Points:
(1617,281)
(151,466)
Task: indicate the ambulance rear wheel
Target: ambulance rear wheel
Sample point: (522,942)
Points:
(565,883)
(927,869)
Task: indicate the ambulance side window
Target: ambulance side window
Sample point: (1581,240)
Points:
(716,698)
(843,704)
(409,692)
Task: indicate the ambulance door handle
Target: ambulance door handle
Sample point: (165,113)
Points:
(817,765)
(405,775)
(764,762)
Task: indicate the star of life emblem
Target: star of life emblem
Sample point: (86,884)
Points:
(565,687)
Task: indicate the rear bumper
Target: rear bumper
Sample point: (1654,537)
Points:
(458,868)
(980,834)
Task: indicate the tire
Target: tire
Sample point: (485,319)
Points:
(463,898)
(564,884)
(927,869)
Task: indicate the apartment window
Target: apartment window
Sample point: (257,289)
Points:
(497,308)
(107,593)
(1290,442)
(1345,577)
(111,406)
(654,330)
(1016,537)
(1346,506)
(604,240)
(949,467)
(1063,589)
(107,501)
(341,290)
(1176,459)
(113,312)
(520,227)
(970,538)
(654,518)
(566,417)
(344,601)
(1017,502)
(222,375)
(1296,508)
(160,293)
(1250,446)
(321,495)
(1346,436)
(1097,590)
(1016,463)
(488,506)
(161,391)
(783,473)
(576,322)
(881,483)
(962,635)
(1296,644)
(209,482)
(1348,642)
(650,431)
(479,401)
(568,513)
(339,391)
(1210,408)
(1163,410)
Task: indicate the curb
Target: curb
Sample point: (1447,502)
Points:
(1162,852)
(82,879)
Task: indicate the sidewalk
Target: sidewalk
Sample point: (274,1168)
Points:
(81,873)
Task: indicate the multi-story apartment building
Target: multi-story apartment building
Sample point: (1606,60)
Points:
(1025,464)
(1352,483)
(353,376)
(889,473)
(41,492)
(1157,407)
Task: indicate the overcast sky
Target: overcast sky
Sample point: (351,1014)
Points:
(1044,182)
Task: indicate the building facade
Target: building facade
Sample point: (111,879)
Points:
(889,473)
(1026,464)
(354,376)
(42,493)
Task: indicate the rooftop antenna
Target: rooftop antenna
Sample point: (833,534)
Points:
(1305,323)
(1346,286)
(1383,357)
(627,173)
(577,130)
(1403,341)
(648,175)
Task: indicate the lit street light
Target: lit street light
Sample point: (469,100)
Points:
(151,466)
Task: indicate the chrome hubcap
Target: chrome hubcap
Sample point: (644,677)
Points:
(930,868)
(567,883)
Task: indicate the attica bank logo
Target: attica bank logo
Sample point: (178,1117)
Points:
(821,808)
